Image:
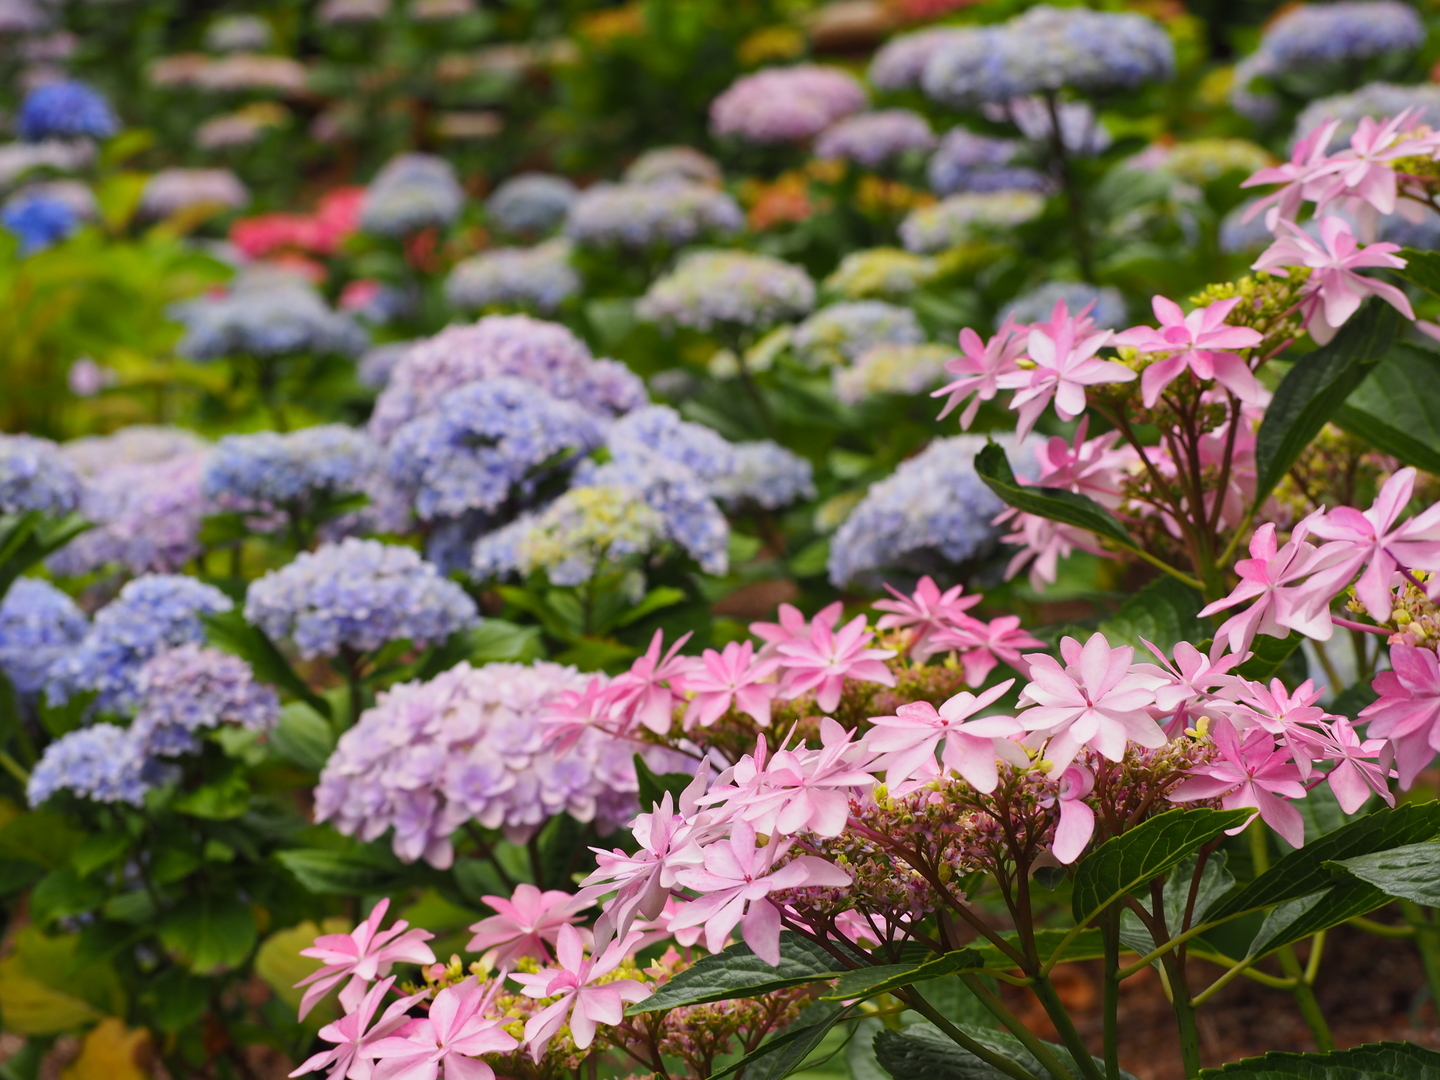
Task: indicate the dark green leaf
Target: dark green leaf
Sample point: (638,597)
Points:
(303,737)
(229,631)
(1299,919)
(222,799)
(64,892)
(1397,408)
(1057,504)
(1411,872)
(1086,945)
(1162,613)
(869,981)
(1351,700)
(1315,387)
(739,973)
(653,785)
(1422,268)
(653,601)
(780,1055)
(40,837)
(1270,656)
(1154,847)
(1304,872)
(923,1052)
(339,872)
(97,850)
(209,933)
(1375,1061)
(180,999)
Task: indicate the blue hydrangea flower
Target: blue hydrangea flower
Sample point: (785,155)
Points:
(1377,100)
(267,470)
(900,62)
(190,689)
(728,288)
(411,192)
(38,625)
(151,614)
(358,594)
(658,429)
(1037,304)
(39,222)
(642,215)
(65,110)
(265,315)
(837,335)
(965,161)
(765,475)
(101,762)
(1327,34)
(873,138)
(33,476)
(531,203)
(482,443)
(540,277)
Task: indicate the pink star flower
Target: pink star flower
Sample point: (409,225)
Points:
(907,740)
(1407,713)
(349,1056)
(1357,772)
(1077,820)
(363,955)
(1249,774)
(979,367)
(1364,172)
(1373,539)
(1093,467)
(736,882)
(730,678)
(1065,363)
(524,924)
(585,1005)
(1188,683)
(1294,719)
(1334,290)
(1200,341)
(823,661)
(926,612)
(452,1038)
(1095,700)
(793,626)
(569,714)
(1306,161)
(645,695)
(983,645)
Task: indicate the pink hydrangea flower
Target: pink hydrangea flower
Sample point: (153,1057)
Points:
(1407,713)
(824,660)
(1306,160)
(524,924)
(982,645)
(979,366)
(1294,719)
(1361,768)
(1363,173)
(925,613)
(1077,820)
(1065,363)
(1250,774)
(1200,341)
(1188,683)
(793,626)
(586,1006)
(363,955)
(451,1038)
(907,740)
(646,695)
(734,678)
(353,1035)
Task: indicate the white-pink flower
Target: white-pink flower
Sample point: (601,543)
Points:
(734,678)
(1201,341)
(1363,173)
(1065,363)
(1188,684)
(451,1038)
(824,660)
(646,694)
(524,924)
(925,613)
(363,955)
(1249,774)
(907,740)
(979,367)
(1306,161)
(982,645)
(586,1006)
(1361,768)
(737,880)
(353,1035)
(1077,820)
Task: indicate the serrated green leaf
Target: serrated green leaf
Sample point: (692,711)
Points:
(1162,613)
(1315,387)
(1375,1061)
(869,981)
(780,1055)
(1410,872)
(1154,847)
(739,973)
(1057,504)
(339,872)
(209,933)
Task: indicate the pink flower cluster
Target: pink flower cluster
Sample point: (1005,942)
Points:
(336,217)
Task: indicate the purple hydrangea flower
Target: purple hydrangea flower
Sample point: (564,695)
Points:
(734,288)
(360,595)
(781,105)
(38,625)
(35,477)
(190,689)
(901,61)
(539,277)
(65,110)
(1311,35)
(658,429)
(411,192)
(873,138)
(375,365)
(672,213)
(265,315)
(968,162)
(101,762)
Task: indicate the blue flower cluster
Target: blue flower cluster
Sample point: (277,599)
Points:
(728,288)
(837,335)
(269,471)
(1376,100)
(689,515)
(1047,48)
(900,63)
(539,277)
(189,689)
(357,594)
(671,213)
(101,762)
(873,138)
(1037,304)
(411,192)
(33,476)
(1327,34)
(932,503)
(765,475)
(65,110)
(658,429)
(152,613)
(39,221)
(965,161)
(38,625)
(485,443)
(531,203)
(265,315)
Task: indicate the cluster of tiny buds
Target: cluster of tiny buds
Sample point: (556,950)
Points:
(1415,617)
(1268,304)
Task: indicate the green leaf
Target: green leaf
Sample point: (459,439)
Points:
(1397,408)
(739,973)
(869,981)
(1154,847)
(1304,872)
(303,737)
(1421,268)
(1299,919)
(340,872)
(229,631)
(210,933)
(1411,872)
(780,1055)
(222,799)
(1215,881)
(1374,1061)
(655,600)
(923,1052)
(1086,945)
(1315,387)
(40,837)
(1162,613)
(1057,504)
(64,892)
(1269,657)
(97,850)
(496,640)
(653,785)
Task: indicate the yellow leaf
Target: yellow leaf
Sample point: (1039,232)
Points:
(29,1007)
(112,1052)
(279,963)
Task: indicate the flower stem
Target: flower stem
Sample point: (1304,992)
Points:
(1010,1068)
(1110,929)
(1017,1027)
(1427,940)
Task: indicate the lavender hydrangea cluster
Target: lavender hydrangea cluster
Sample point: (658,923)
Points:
(681,498)
(170,191)
(190,689)
(765,475)
(932,503)
(900,62)
(101,762)
(38,625)
(151,614)
(733,289)
(65,110)
(1037,304)
(376,363)
(467,746)
(1046,48)
(1375,100)
(543,353)
(965,161)
(927,230)
(35,477)
(658,429)
(1081,131)
(670,213)
(268,471)
(872,139)
(780,105)
(487,443)
(667,163)
(265,315)
(891,369)
(531,203)
(539,277)
(358,595)
(411,192)
(837,335)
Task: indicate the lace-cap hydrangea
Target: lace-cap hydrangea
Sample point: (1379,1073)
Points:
(359,595)
(411,192)
(539,277)
(710,289)
(38,625)
(189,689)
(34,476)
